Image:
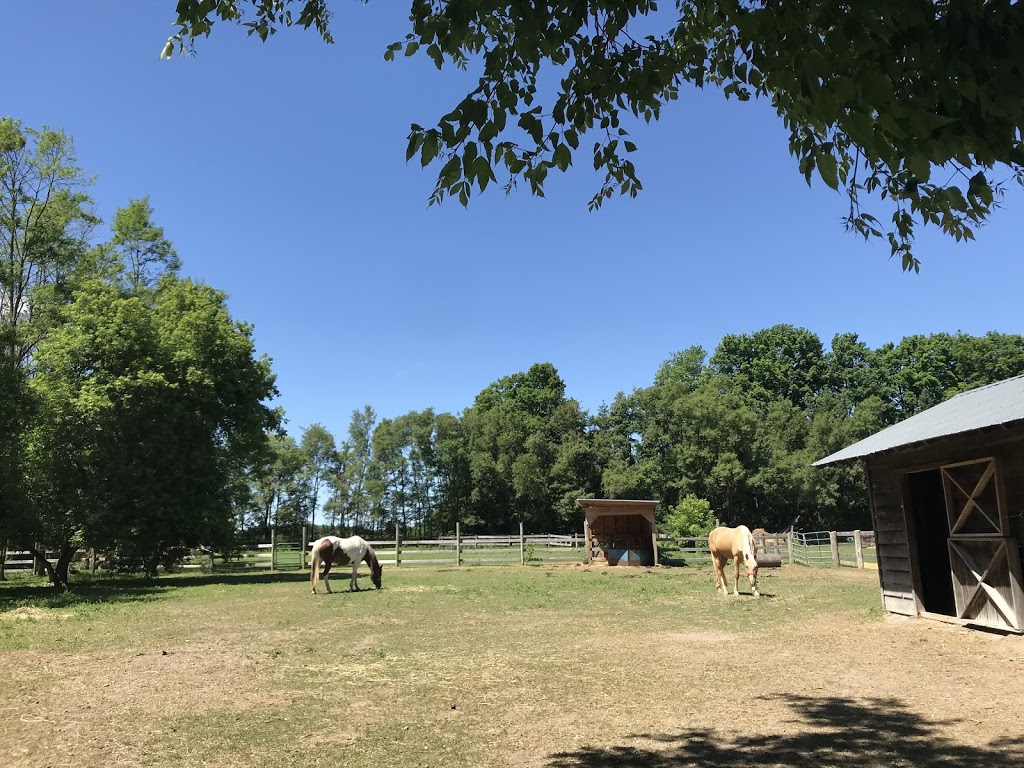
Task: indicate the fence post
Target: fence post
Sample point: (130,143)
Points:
(858,548)
(304,547)
(834,544)
(458,544)
(92,560)
(398,545)
(522,545)
(789,545)
(273,549)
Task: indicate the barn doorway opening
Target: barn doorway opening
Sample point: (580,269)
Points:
(931,531)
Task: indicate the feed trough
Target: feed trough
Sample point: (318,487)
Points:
(765,560)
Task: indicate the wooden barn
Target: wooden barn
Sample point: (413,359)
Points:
(947,501)
(620,531)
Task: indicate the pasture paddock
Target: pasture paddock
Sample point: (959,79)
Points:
(553,667)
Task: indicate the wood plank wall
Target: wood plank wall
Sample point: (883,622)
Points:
(896,571)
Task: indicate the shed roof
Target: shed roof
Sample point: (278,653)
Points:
(993,405)
(616,505)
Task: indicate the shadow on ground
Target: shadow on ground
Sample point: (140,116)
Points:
(862,733)
(116,589)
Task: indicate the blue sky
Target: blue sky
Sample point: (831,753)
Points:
(278,170)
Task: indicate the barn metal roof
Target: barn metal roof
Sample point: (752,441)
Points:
(993,405)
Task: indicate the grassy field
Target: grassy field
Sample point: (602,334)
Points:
(554,666)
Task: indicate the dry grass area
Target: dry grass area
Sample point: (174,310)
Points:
(557,667)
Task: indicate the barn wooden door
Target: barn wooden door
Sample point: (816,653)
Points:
(984,558)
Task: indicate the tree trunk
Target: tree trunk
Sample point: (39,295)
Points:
(53,573)
(3,561)
(64,562)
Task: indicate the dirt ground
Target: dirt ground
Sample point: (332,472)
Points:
(837,690)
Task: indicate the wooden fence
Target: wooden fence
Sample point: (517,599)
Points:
(817,548)
(855,549)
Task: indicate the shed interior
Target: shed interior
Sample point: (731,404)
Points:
(622,539)
(620,531)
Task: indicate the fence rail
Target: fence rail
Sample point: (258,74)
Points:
(816,548)
(855,549)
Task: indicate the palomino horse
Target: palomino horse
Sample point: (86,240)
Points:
(334,551)
(736,543)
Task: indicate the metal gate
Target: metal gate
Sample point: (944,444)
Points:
(984,558)
(288,556)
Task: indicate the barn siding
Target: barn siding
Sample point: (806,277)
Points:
(885,473)
(894,565)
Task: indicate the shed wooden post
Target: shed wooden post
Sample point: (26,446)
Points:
(654,544)
(458,543)
(305,547)
(398,545)
(586,541)
(522,545)
(789,546)
(834,544)
(858,549)
(273,548)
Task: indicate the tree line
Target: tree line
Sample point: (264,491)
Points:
(137,419)
(728,436)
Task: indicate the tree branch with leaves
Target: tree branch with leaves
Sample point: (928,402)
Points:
(911,105)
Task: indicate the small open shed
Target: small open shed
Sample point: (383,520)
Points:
(947,500)
(620,531)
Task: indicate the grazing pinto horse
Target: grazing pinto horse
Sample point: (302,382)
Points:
(334,551)
(736,543)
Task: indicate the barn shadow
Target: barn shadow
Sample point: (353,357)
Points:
(862,733)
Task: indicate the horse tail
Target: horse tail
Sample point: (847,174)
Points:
(314,574)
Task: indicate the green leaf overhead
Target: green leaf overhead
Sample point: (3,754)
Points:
(876,94)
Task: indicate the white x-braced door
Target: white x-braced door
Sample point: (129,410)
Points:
(984,558)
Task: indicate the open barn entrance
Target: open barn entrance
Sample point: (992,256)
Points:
(931,531)
(620,532)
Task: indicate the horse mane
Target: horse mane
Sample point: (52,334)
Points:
(370,558)
(748,545)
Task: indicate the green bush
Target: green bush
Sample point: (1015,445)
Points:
(692,516)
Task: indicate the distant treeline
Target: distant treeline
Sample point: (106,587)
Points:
(739,429)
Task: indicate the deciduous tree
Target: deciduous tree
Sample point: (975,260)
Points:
(149,407)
